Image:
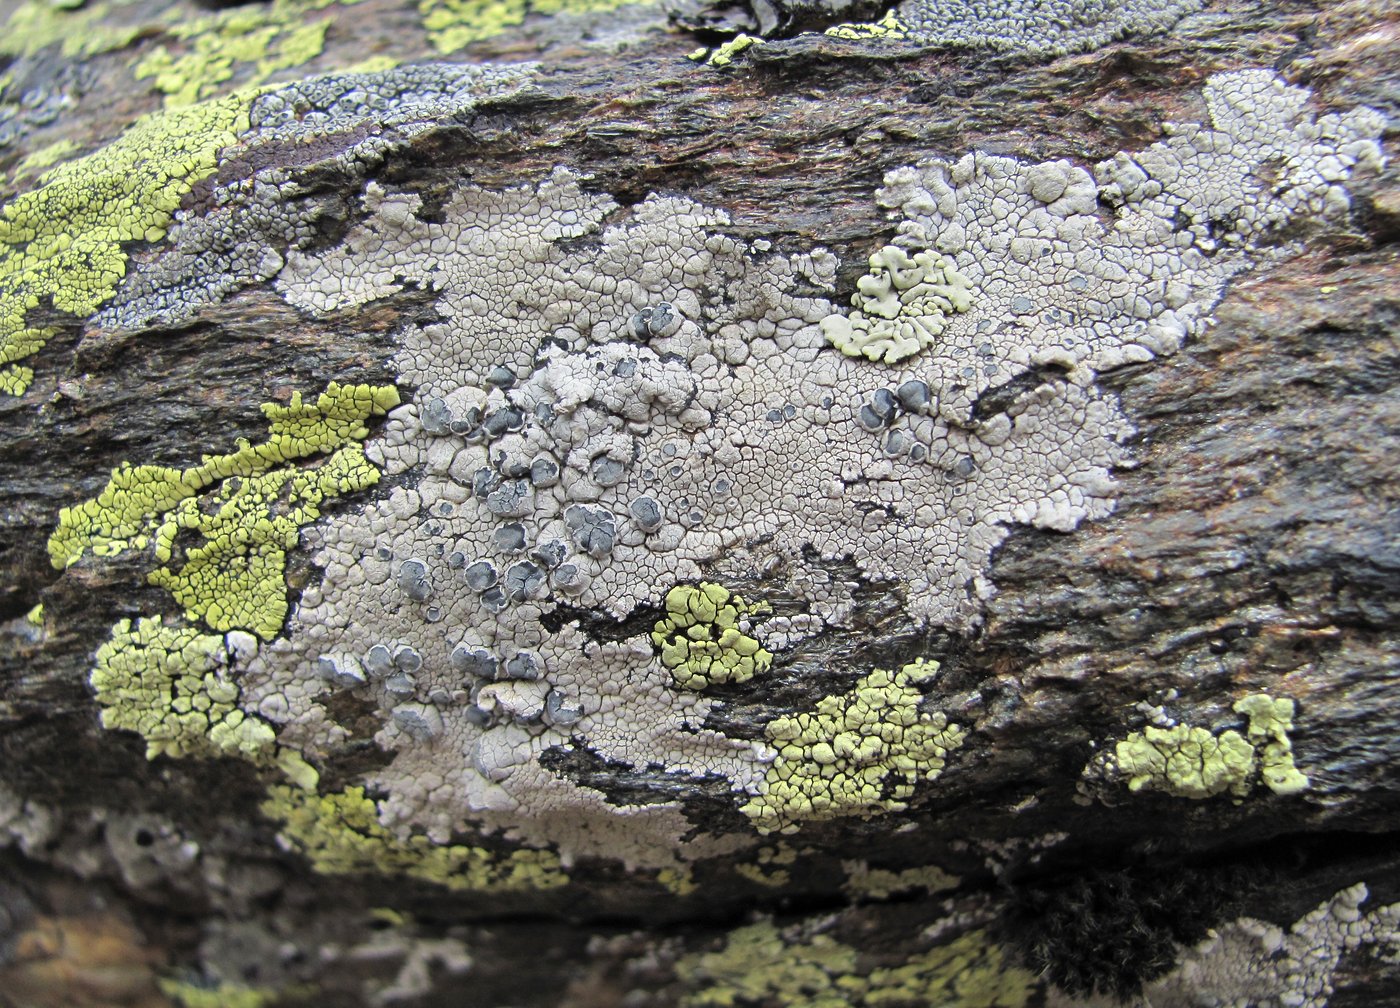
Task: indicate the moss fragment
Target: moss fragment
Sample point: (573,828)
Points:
(340,834)
(858,753)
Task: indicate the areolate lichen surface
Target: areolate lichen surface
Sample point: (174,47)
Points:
(629,409)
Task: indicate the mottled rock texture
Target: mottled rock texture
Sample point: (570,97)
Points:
(578,503)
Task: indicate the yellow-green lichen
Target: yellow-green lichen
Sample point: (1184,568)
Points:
(85,31)
(452,24)
(170,685)
(1192,762)
(900,307)
(214,48)
(723,55)
(62,242)
(770,868)
(14,379)
(233,576)
(757,965)
(188,995)
(1270,721)
(35,616)
(888,27)
(46,157)
(858,753)
(880,884)
(340,834)
(677,881)
(701,640)
(1186,762)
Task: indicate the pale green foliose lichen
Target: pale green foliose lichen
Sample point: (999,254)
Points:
(858,753)
(233,578)
(171,685)
(900,307)
(757,965)
(701,640)
(1192,762)
(61,244)
(340,834)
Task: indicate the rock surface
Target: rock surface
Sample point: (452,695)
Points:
(890,513)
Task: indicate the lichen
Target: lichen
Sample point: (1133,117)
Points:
(888,27)
(271,40)
(858,753)
(1192,762)
(223,995)
(172,685)
(723,55)
(770,867)
(1270,721)
(701,641)
(452,24)
(760,965)
(36,24)
(61,244)
(1255,962)
(233,578)
(1186,762)
(881,883)
(900,307)
(340,834)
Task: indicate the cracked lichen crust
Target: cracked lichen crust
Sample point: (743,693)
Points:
(62,243)
(1032,26)
(1192,762)
(702,640)
(172,685)
(1252,962)
(233,579)
(759,964)
(859,753)
(900,306)
(340,834)
(242,236)
(612,402)
(452,24)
